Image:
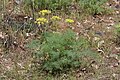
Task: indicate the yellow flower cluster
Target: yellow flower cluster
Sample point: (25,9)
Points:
(69,21)
(41,21)
(55,18)
(44,12)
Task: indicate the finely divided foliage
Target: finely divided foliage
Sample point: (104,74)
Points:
(60,52)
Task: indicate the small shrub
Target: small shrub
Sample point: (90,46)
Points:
(93,6)
(59,52)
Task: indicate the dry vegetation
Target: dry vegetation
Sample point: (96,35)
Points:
(60,40)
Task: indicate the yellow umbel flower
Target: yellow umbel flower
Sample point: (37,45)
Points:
(55,18)
(44,12)
(41,21)
(69,21)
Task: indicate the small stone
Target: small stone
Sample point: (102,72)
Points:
(110,18)
(117,12)
(96,38)
(100,43)
(26,17)
(114,75)
(1,35)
